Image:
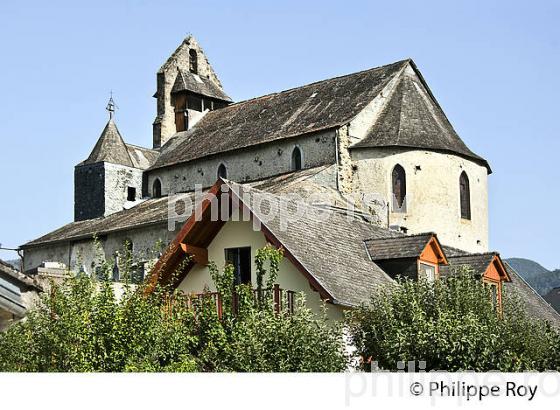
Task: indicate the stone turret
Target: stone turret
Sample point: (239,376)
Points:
(112,176)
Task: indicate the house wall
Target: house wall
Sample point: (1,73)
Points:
(241,234)
(250,164)
(432,201)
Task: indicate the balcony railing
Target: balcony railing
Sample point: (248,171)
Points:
(282,300)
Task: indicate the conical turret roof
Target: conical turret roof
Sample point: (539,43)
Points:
(110,147)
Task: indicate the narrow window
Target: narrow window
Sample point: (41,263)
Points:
(465,193)
(222,171)
(240,258)
(296,159)
(156,189)
(193,61)
(131,194)
(399,189)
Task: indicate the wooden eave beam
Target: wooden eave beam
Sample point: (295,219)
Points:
(199,255)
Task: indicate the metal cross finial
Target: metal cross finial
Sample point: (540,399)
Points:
(111,106)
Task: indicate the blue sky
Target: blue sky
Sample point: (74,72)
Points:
(492,65)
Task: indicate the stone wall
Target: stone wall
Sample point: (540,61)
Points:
(74,254)
(117,180)
(432,201)
(250,164)
(89,191)
(164,124)
(102,189)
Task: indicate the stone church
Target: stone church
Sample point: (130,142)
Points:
(376,142)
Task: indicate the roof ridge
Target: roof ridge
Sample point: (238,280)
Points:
(403,235)
(175,52)
(317,82)
(140,146)
(466,255)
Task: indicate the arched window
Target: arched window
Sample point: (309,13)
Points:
(222,171)
(297,162)
(465,194)
(399,189)
(193,61)
(156,189)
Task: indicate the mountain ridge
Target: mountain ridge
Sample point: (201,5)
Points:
(537,276)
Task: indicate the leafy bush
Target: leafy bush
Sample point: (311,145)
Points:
(452,325)
(81,325)
(252,337)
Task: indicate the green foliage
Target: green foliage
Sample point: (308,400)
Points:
(252,336)
(82,325)
(452,325)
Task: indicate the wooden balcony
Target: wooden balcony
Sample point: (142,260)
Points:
(282,300)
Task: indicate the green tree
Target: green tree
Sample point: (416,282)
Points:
(81,325)
(452,325)
(253,336)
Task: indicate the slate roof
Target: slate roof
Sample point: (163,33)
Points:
(313,107)
(534,302)
(12,284)
(154,211)
(477,262)
(8,270)
(148,212)
(384,248)
(412,118)
(553,298)
(110,147)
(328,244)
(141,157)
(187,81)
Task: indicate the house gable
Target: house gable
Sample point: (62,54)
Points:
(203,227)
